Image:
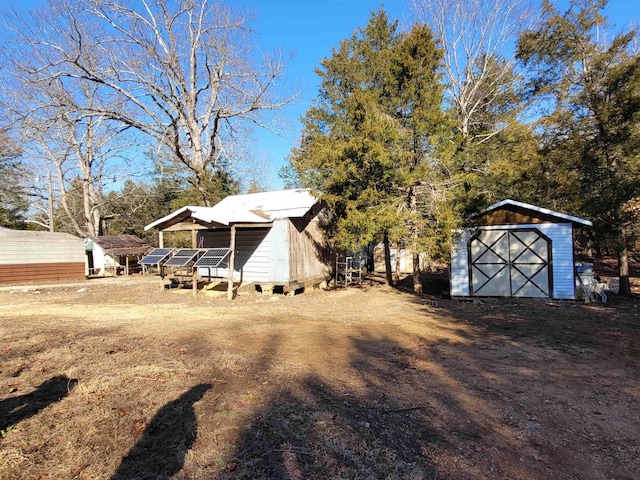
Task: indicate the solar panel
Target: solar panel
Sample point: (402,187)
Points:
(156,256)
(212,257)
(182,258)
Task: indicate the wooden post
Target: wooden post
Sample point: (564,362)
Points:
(232,257)
(126,272)
(194,280)
(161,245)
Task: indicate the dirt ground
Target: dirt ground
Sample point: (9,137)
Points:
(118,379)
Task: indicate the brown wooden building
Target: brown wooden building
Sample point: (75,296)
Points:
(114,254)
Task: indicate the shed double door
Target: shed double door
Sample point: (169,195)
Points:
(510,263)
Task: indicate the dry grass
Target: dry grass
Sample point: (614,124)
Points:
(123,381)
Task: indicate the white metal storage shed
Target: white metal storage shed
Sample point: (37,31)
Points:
(514,249)
(33,256)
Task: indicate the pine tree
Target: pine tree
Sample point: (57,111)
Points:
(591,133)
(13,200)
(373,142)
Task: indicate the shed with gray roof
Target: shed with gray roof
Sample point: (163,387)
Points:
(276,238)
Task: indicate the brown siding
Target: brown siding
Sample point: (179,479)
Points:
(512,217)
(41,272)
(310,256)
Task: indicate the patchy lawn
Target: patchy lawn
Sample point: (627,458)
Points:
(125,381)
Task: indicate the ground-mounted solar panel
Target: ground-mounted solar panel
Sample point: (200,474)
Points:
(213,257)
(183,258)
(156,256)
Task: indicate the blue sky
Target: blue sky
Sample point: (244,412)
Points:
(309,29)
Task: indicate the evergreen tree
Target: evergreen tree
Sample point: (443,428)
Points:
(13,201)
(590,136)
(493,158)
(494,148)
(373,142)
(349,145)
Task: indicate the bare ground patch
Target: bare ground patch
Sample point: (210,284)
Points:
(125,381)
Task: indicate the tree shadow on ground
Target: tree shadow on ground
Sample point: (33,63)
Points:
(14,410)
(565,325)
(319,433)
(369,426)
(161,451)
(423,408)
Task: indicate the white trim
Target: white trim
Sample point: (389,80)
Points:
(254,208)
(170,216)
(562,257)
(534,208)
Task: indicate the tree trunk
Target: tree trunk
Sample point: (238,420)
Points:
(387,259)
(413,205)
(396,271)
(623,265)
(201,185)
(417,284)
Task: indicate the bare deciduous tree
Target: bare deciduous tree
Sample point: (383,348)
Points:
(78,150)
(183,72)
(475,36)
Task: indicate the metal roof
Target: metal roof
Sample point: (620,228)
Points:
(534,208)
(120,245)
(29,235)
(263,207)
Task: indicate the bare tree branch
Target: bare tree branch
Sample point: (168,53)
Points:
(475,35)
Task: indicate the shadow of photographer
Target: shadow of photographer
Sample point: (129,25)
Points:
(161,451)
(14,410)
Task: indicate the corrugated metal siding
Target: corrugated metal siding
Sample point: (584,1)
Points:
(27,256)
(252,253)
(41,272)
(40,247)
(561,238)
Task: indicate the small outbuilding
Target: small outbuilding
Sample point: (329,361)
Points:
(514,249)
(34,256)
(115,254)
(274,239)
(401,259)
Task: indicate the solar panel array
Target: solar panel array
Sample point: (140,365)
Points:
(182,258)
(212,257)
(156,256)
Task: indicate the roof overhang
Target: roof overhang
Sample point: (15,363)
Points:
(207,218)
(249,210)
(516,206)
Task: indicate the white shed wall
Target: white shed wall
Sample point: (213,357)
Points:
(460,264)
(561,238)
(252,253)
(280,258)
(406,259)
(101,260)
(26,247)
